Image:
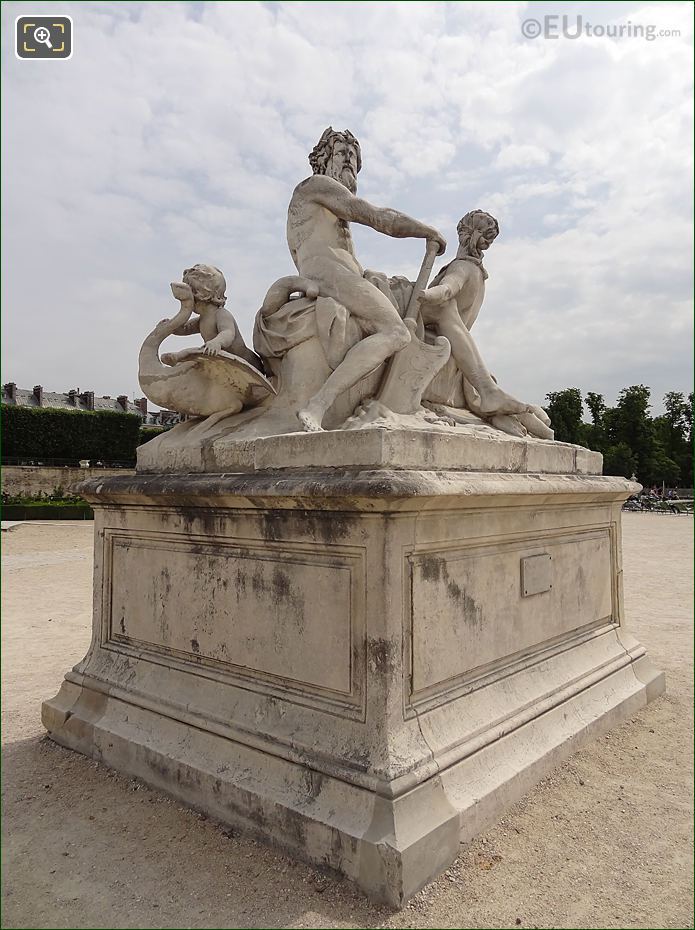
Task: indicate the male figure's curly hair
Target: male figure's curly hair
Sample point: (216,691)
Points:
(321,153)
(470,228)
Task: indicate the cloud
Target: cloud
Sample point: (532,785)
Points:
(521,156)
(176,135)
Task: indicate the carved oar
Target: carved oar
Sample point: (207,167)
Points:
(412,368)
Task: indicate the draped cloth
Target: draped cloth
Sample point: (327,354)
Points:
(398,289)
(300,319)
(337,331)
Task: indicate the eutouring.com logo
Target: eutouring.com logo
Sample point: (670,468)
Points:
(556,26)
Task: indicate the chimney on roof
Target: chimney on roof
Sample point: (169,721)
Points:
(38,394)
(123,401)
(141,404)
(88,398)
(73,395)
(10,389)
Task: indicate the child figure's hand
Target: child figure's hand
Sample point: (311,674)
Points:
(182,291)
(213,346)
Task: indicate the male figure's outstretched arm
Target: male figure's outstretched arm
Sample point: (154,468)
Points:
(333,196)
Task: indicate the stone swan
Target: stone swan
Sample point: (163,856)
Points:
(199,385)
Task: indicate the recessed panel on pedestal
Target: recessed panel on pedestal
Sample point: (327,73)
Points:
(470,607)
(263,610)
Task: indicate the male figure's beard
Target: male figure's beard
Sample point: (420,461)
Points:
(346,177)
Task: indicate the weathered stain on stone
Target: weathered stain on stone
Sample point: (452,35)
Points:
(123,626)
(472,611)
(294,826)
(581,586)
(453,590)
(329,527)
(286,600)
(195,645)
(431,567)
(256,814)
(273,523)
(258,582)
(359,758)
(314,782)
(165,589)
(282,587)
(324,526)
(381,654)
(241,580)
(158,766)
(436,571)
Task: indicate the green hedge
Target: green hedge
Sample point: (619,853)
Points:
(149,432)
(44,432)
(52,510)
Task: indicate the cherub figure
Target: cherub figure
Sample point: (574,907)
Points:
(450,307)
(203,293)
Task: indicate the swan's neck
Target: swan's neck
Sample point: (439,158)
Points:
(149,353)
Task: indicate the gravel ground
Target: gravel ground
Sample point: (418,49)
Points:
(606,841)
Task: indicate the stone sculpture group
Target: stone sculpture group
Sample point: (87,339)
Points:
(338,346)
(356,602)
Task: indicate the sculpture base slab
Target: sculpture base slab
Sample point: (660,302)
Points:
(448,448)
(364,667)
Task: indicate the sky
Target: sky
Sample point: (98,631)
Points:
(177,131)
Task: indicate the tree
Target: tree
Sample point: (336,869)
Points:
(596,433)
(629,422)
(673,429)
(619,460)
(597,407)
(676,411)
(660,468)
(657,450)
(689,417)
(565,411)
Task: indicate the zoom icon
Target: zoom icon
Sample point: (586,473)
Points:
(43,37)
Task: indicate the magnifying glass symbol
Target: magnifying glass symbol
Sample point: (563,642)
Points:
(43,36)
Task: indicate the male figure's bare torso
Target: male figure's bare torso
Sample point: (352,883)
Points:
(319,239)
(314,232)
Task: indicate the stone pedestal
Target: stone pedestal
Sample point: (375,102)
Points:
(365,664)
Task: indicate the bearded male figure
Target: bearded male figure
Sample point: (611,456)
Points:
(318,235)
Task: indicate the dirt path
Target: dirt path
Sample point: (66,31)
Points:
(606,841)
